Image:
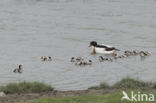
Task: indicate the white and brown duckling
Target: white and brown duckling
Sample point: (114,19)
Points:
(128,53)
(76,59)
(88,63)
(79,59)
(109,59)
(131,53)
(49,58)
(144,54)
(123,56)
(84,63)
(18,70)
(44,58)
(101,58)
(73,59)
(135,52)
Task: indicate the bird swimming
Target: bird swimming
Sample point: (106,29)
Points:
(18,70)
(44,58)
(102,49)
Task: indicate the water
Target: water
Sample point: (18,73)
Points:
(30,29)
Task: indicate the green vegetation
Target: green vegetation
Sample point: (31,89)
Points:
(104,85)
(114,97)
(126,83)
(25,87)
(154,85)
(129,83)
(113,94)
(101,86)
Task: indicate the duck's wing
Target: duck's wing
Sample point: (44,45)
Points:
(108,46)
(110,49)
(101,46)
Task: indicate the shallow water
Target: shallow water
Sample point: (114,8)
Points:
(30,29)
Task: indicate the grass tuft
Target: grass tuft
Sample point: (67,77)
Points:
(114,97)
(154,85)
(129,83)
(104,85)
(25,87)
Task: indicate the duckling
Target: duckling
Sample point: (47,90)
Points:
(79,59)
(43,58)
(79,63)
(108,59)
(49,58)
(101,58)
(115,57)
(119,57)
(135,52)
(123,56)
(147,53)
(72,59)
(88,63)
(128,53)
(18,70)
(143,54)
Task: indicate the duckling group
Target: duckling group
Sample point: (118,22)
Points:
(46,58)
(96,48)
(80,61)
(127,53)
(142,54)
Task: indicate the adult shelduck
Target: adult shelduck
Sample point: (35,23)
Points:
(102,49)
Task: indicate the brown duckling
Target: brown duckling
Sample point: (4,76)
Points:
(88,63)
(101,58)
(43,58)
(18,70)
(128,53)
(135,52)
(84,63)
(49,58)
(108,59)
(72,59)
(79,59)
(143,54)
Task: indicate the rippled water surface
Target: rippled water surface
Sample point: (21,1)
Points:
(30,29)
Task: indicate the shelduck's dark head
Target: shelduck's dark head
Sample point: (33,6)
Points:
(20,66)
(93,43)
